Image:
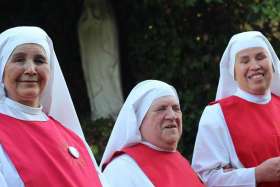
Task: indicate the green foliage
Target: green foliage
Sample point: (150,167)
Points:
(97,134)
(268,9)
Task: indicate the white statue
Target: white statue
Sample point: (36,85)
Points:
(100,58)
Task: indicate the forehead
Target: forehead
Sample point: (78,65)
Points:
(251,51)
(29,48)
(165,100)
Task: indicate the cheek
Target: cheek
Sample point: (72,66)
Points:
(180,117)
(270,69)
(241,74)
(44,73)
(159,120)
(180,121)
(11,74)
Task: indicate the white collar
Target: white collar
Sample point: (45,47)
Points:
(259,99)
(155,147)
(19,111)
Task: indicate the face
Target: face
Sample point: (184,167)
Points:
(26,74)
(253,70)
(162,125)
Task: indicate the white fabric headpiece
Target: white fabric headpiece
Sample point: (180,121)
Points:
(126,129)
(227,85)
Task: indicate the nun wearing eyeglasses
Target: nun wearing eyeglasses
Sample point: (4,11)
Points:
(238,140)
(142,149)
(41,141)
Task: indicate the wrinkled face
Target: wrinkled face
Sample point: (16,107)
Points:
(26,74)
(253,70)
(162,125)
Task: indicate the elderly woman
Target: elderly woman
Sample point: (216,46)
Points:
(239,134)
(41,141)
(142,149)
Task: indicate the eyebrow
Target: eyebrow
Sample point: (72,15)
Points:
(20,54)
(258,53)
(40,56)
(165,105)
(262,53)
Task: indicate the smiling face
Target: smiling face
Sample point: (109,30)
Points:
(253,70)
(162,125)
(26,74)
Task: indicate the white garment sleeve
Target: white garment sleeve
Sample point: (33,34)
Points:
(123,171)
(214,149)
(3,182)
(9,176)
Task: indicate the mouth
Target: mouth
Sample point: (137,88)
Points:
(170,126)
(256,76)
(27,81)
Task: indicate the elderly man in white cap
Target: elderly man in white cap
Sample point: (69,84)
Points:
(142,149)
(238,141)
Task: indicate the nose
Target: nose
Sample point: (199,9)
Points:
(30,68)
(170,114)
(255,65)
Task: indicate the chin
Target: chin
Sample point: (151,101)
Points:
(259,91)
(172,143)
(30,97)
(29,93)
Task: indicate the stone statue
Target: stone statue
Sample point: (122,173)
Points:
(98,38)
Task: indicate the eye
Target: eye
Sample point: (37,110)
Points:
(40,60)
(161,108)
(261,56)
(176,108)
(244,61)
(17,59)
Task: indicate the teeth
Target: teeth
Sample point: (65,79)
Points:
(256,76)
(170,126)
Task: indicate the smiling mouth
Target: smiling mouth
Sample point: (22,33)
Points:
(170,126)
(28,81)
(256,76)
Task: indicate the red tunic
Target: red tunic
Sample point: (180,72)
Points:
(254,129)
(164,169)
(39,152)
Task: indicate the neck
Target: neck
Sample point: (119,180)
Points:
(160,148)
(28,102)
(260,99)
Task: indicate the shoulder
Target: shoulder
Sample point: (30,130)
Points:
(227,100)
(212,117)
(124,171)
(119,162)
(276,97)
